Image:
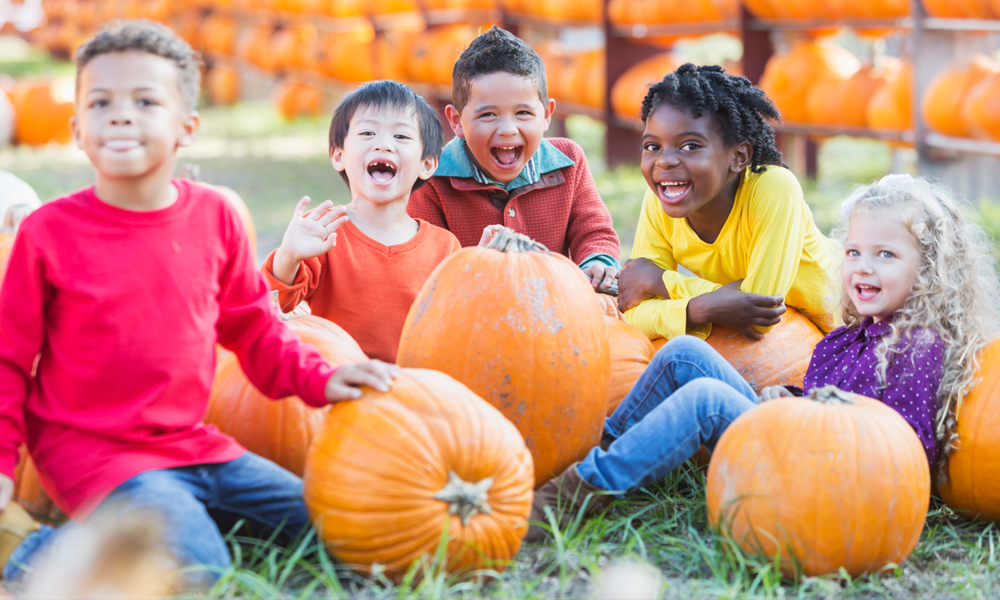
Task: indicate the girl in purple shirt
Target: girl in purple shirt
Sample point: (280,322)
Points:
(919,303)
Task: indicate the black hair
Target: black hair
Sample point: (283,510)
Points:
(381,94)
(142,35)
(496,51)
(741,109)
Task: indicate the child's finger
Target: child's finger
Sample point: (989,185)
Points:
(334,213)
(300,206)
(321,210)
(340,391)
(334,225)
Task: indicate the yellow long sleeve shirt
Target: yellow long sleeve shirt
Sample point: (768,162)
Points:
(769,240)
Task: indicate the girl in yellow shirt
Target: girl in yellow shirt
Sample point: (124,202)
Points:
(722,205)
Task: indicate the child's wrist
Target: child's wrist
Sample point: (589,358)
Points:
(698,311)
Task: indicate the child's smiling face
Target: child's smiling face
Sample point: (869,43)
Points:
(503,123)
(881,259)
(687,163)
(382,154)
(131,116)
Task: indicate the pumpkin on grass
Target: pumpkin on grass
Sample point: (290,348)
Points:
(973,487)
(282,430)
(631,352)
(832,481)
(522,328)
(781,358)
(393,476)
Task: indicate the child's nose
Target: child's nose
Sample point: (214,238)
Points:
(506,126)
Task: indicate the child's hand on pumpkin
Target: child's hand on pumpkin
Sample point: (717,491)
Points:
(6,491)
(732,307)
(345,382)
(640,279)
(601,276)
(774,391)
(307,236)
(489,232)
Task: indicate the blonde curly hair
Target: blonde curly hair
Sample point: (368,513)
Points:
(955,292)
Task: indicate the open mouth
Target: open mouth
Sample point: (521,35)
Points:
(381,171)
(674,190)
(506,156)
(121,145)
(866,292)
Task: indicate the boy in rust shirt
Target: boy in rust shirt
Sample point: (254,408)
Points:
(500,171)
(385,141)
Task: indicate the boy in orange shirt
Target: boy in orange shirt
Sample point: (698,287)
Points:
(385,141)
(500,170)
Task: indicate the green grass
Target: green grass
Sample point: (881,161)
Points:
(272,164)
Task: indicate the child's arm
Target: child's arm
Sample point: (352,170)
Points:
(22,331)
(590,233)
(307,236)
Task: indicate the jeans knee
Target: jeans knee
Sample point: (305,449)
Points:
(683,347)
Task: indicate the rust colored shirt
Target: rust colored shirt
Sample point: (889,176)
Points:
(561,210)
(365,286)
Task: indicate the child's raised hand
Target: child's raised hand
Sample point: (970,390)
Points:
(640,279)
(489,232)
(601,275)
(6,491)
(343,384)
(307,236)
(732,307)
(774,391)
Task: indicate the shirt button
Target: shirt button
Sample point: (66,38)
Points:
(511,212)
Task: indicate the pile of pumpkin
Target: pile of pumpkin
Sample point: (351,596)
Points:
(822,83)
(574,76)
(559,11)
(842,9)
(963,100)
(656,12)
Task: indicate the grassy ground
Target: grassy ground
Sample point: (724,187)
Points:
(272,164)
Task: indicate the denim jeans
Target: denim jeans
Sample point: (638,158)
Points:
(252,488)
(686,398)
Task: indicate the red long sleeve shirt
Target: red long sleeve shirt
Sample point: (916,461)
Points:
(123,310)
(562,210)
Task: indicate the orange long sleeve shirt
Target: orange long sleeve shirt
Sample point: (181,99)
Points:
(365,286)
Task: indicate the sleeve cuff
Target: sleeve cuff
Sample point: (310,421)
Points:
(601,258)
(314,393)
(289,296)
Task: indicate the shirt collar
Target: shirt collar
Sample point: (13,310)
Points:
(455,162)
(872,330)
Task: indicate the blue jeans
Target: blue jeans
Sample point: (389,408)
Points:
(251,488)
(686,398)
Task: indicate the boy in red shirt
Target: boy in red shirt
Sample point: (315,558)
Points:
(385,141)
(121,291)
(499,170)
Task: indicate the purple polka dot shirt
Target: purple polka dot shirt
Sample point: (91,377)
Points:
(846,358)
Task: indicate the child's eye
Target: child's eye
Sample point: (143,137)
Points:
(487,114)
(525,113)
(690,146)
(145,102)
(853,253)
(100,104)
(366,133)
(650,147)
(886,254)
(402,136)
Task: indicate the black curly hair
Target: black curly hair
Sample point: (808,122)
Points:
(741,109)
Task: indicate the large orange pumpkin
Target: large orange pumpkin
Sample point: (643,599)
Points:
(842,101)
(279,431)
(391,476)
(942,101)
(631,352)
(521,327)
(972,489)
(631,87)
(788,78)
(835,480)
(347,55)
(43,110)
(781,358)
(981,108)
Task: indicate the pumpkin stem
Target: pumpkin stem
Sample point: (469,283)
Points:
(509,240)
(831,394)
(465,499)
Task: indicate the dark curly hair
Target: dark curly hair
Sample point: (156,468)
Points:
(142,35)
(741,109)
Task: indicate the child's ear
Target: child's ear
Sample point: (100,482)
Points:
(337,158)
(74,126)
(550,109)
(427,167)
(454,119)
(742,155)
(189,129)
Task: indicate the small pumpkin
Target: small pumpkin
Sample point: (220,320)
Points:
(832,481)
(973,472)
(29,493)
(631,87)
(521,327)
(392,476)
(631,352)
(280,431)
(222,82)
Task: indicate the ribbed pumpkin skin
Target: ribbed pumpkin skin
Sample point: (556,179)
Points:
(973,488)
(378,461)
(631,352)
(781,358)
(280,431)
(524,332)
(837,485)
